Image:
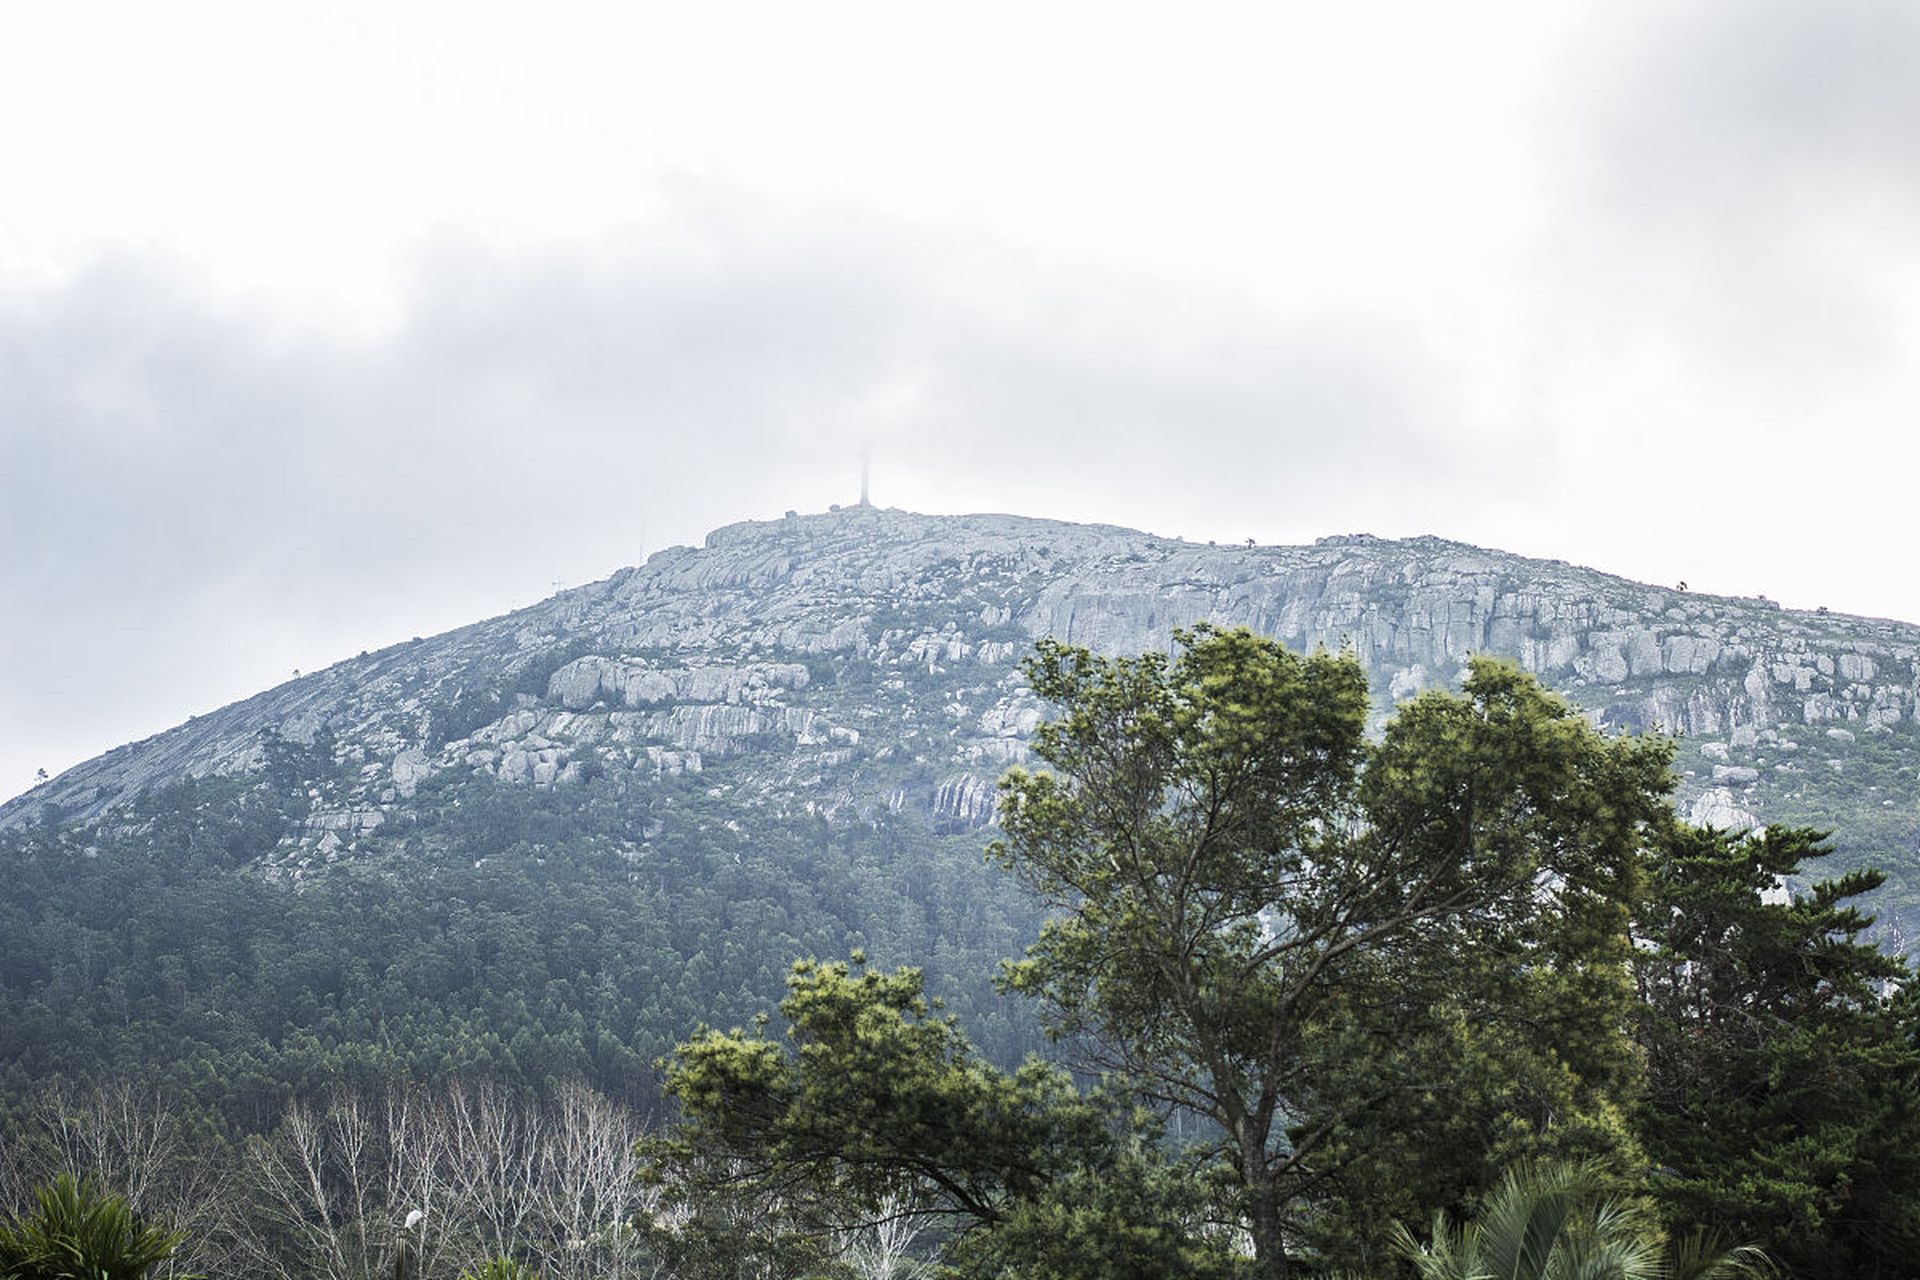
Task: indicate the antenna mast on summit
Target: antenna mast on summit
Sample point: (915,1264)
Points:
(865,466)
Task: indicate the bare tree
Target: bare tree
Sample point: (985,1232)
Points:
(591,1191)
(491,1176)
(879,1250)
(333,1186)
(129,1141)
(494,1176)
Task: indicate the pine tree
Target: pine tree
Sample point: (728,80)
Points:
(1783,1056)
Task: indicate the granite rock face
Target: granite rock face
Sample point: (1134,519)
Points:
(867,659)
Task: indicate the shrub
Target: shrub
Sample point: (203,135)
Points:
(77,1232)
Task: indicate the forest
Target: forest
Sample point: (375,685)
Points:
(1240,990)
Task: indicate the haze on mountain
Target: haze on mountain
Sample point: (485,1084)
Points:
(321,330)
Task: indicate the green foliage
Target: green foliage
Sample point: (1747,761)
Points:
(1139,1218)
(504,934)
(877,1101)
(500,1269)
(465,714)
(1856,780)
(874,1084)
(77,1232)
(1316,945)
(737,1242)
(1783,1057)
(1566,1221)
(1355,978)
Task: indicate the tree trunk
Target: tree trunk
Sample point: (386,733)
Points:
(1269,1250)
(1263,1209)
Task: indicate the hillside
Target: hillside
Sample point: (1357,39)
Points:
(866,659)
(549,845)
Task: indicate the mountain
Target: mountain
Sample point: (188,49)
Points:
(867,659)
(549,845)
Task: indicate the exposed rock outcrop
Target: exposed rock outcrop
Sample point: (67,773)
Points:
(866,660)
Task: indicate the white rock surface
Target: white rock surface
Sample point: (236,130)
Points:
(1716,807)
(727,652)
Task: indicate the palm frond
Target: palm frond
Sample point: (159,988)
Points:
(1705,1255)
(1529,1214)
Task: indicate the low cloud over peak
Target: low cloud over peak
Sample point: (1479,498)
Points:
(201,490)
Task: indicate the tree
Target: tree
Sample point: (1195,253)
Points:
(883,1249)
(134,1144)
(344,1187)
(1288,932)
(1783,1055)
(878,1107)
(336,1183)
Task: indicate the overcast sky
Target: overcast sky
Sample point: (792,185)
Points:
(326,325)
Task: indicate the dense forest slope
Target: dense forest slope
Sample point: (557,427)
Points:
(546,845)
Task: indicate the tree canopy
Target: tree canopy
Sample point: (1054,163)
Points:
(877,1107)
(1783,1055)
(1354,978)
(1294,935)
(1310,976)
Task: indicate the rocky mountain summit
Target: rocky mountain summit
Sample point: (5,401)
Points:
(866,659)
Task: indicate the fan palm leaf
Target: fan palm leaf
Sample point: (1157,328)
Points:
(1556,1222)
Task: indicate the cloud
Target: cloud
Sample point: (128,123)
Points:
(199,493)
(1742,176)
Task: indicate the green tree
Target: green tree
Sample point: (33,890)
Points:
(1783,1056)
(500,1269)
(1291,934)
(877,1102)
